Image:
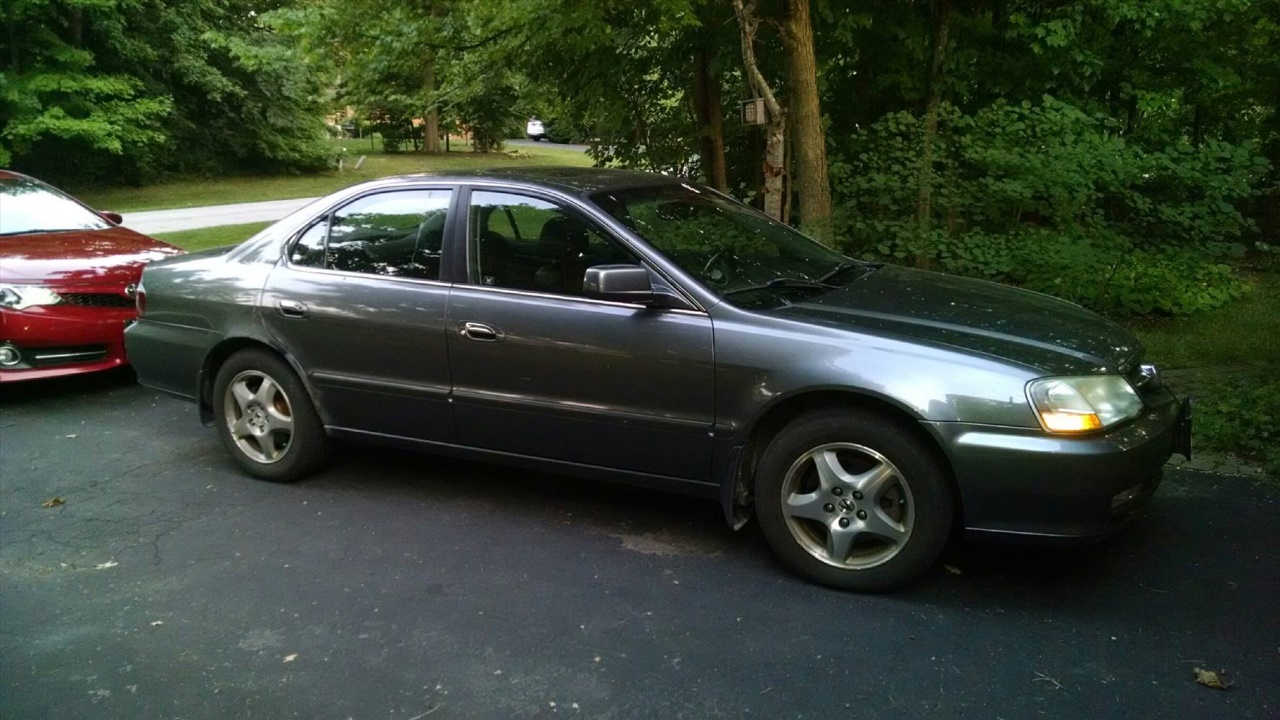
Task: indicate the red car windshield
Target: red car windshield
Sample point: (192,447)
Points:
(27,206)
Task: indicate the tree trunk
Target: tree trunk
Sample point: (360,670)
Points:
(924,199)
(430,123)
(76,27)
(775,128)
(809,142)
(706,101)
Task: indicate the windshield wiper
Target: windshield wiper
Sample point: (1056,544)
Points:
(783,282)
(842,267)
(36,231)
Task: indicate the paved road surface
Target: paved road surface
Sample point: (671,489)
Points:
(393,585)
(163,221)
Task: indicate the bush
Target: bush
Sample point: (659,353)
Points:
(1242,416)
(1052,198)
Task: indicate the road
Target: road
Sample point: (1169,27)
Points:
(397,585)
(150,222)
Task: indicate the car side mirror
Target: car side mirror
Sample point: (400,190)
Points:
(618,283)
(114,218)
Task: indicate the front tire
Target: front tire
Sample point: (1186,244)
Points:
(265,417)
(852,501)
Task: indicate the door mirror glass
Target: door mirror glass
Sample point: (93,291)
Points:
(618,283)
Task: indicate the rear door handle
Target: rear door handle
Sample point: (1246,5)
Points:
(292,308)
(479,331)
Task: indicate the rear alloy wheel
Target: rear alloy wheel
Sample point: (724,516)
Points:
(265,417)
(850,501)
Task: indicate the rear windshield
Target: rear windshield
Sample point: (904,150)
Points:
(27,206)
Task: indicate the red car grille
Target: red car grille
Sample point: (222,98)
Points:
(97,300)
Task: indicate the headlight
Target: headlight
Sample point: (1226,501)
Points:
(21,297)
(1081,404)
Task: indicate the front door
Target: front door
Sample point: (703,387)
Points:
(541,371)
(359,303)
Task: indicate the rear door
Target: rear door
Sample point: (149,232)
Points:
(359,302)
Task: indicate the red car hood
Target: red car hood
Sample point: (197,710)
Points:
(79,257)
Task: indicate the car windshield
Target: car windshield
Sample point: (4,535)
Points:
(732,249)
(27,206)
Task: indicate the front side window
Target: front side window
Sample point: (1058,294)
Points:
(398,234)
(27,206)
(526,243)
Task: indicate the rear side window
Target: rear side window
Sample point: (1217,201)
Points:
(398,234)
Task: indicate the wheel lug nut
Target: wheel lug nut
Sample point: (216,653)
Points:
(857,495)
(829,507)
(837,491)
(844,522)
(862,514)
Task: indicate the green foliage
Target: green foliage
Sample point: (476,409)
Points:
(120,90)
(1242,416)
(1055,199)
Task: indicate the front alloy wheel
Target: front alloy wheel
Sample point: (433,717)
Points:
(853,500)
(847,506)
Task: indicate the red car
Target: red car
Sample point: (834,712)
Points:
(68,277)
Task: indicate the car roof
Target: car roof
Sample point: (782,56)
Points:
(572,180)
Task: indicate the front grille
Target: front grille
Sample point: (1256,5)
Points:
(50,356)
(97,300)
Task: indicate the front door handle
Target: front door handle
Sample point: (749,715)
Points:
(292,308)
(479,331)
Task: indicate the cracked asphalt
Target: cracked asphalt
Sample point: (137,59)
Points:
(403,586)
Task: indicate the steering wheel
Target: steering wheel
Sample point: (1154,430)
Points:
(716,276)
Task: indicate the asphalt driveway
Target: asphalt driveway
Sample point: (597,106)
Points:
(402,586)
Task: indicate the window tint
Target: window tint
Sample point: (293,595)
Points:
(308,250)
(524,243)
(396,233)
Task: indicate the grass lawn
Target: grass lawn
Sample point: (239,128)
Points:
(192,240)
(198,192)
(1228,359)
(1245,332)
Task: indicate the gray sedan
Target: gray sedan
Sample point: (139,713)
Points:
(647,330)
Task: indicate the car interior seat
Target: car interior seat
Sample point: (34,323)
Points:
(562,246)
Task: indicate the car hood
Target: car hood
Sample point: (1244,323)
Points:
(1035,330)
(79,257)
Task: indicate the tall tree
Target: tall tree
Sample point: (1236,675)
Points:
(933,99)
(776,116)
(808,139)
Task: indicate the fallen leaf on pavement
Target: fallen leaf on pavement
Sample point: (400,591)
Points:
(156,622)
(105,565)
(952,569)
(291,658)
(1209,678)
(53,502)
(71,435)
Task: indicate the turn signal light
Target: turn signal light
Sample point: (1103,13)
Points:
(1070,422)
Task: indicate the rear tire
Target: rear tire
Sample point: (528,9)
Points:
(849,500)
(265,417)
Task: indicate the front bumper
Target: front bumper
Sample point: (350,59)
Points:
(1023,483)
(57,340)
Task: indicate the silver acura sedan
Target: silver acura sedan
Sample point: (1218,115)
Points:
(647,330)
